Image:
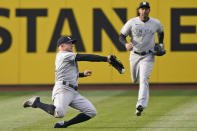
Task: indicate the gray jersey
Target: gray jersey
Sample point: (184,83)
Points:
(142,33)
(66,68)
(143,39)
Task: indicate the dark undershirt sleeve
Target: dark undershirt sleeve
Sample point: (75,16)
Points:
(161,37)
(81,75)
(90,57)
(122,39)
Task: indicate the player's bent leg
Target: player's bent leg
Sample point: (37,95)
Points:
(59,112)
(82,104)
(50,109)
(91,113)
(61,102)
(77,119)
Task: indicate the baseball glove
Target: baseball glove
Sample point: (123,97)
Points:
(158,50)
(116,64)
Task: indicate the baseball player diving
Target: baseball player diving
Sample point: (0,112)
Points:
(142,47)
(66,84)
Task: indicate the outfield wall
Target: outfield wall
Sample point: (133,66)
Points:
(29,30)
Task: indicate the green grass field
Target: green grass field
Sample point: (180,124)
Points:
(168,110)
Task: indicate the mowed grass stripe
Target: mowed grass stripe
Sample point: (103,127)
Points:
(115,111)
(174,112)
(47,122)
(160,103)
(183,117)
(12,113)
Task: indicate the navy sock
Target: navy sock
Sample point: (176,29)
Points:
(79,118)
(50,109)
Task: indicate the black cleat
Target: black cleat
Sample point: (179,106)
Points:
(32,102)
(60,124)
(139,110)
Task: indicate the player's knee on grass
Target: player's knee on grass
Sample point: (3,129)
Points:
(59,112)
(91,113)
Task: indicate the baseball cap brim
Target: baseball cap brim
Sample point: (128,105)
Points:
(73,41)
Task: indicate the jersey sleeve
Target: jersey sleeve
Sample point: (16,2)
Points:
(160,27)
(70,56)
(126,28)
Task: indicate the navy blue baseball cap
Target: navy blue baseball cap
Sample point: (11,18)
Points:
(144,4)
(65,39)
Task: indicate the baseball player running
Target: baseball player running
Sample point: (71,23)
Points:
(142,31)
(66,84)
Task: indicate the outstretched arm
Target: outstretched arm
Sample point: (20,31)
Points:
(96,58)
(91,57)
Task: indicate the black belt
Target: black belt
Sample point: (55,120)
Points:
(142,53)
(70,85)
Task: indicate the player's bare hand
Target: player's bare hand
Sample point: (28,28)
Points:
(129,46)
(87,73)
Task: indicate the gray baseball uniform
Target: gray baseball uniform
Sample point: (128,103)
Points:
(66,83)
(66,75)
(141,59)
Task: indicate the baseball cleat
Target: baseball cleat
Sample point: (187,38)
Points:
(32,102)
(60,124)
(139,110)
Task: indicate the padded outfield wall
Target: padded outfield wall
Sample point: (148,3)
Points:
(29,30)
